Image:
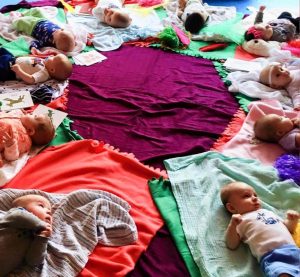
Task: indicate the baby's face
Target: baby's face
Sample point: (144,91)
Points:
(40,207)
(243,199)
(54,62)
(266,30)
(276,76)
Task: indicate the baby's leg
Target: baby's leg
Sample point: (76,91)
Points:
(6,59)
(25,24)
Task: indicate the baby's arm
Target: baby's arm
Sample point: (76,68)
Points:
(11,151)
(38,249)
(259,15)
(28,79)
(232,237)
(291,221)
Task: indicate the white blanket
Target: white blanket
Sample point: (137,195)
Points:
(248,82)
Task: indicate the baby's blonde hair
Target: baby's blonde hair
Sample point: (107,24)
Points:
(226,191)
(65,41)
(22,201)
(64,69)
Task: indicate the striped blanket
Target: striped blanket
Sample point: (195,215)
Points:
(81,219)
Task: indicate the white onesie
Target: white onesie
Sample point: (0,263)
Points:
(263,231)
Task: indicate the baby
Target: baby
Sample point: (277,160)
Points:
(18,131)
(282,29)
(32,70)
(46,33)
(24,233)
(193,15)
(268,236)
(279,129)
(278,77)
(112,13)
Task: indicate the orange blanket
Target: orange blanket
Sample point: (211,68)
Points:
(82,164)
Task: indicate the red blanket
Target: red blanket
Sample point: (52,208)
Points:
(80,164)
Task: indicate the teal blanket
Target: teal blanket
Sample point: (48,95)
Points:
(196,182)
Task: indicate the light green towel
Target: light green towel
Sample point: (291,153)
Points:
(196,182)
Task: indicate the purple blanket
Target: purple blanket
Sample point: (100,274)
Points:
(156,105)
(152,103)
(28,5)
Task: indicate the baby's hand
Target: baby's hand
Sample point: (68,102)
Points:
(292,215)
(296,120)
(262,8)
(46,232)
(236,219)
(15,68)
(7,138)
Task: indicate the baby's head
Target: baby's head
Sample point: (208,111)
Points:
(39,127)
(259,31)
(116,18)
(194,23)
(59,67)
(275,76)
(36,204)
(239,198)
(64,40)
(272,127)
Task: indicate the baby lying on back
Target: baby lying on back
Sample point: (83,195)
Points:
(19,131)
(112,13)
(279,129)
(278,77)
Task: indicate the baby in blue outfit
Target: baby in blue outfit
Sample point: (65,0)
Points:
(45,32)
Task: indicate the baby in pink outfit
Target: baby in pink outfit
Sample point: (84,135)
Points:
(18,131)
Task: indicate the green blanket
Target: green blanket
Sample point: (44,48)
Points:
(231,33)
(196,182)
(164,199)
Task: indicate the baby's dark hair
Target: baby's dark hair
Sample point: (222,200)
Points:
(194,23)
(265,132)
(43,134)
(248,36)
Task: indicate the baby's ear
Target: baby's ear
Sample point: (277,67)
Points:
(280,133)
(230,208)
(30,131)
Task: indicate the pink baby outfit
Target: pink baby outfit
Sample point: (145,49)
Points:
(22,141)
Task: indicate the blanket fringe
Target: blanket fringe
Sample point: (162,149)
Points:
(99,145)
(231,130)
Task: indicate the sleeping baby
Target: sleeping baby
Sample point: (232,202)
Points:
(18,131)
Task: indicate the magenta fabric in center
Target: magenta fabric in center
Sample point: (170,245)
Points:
(153,103)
